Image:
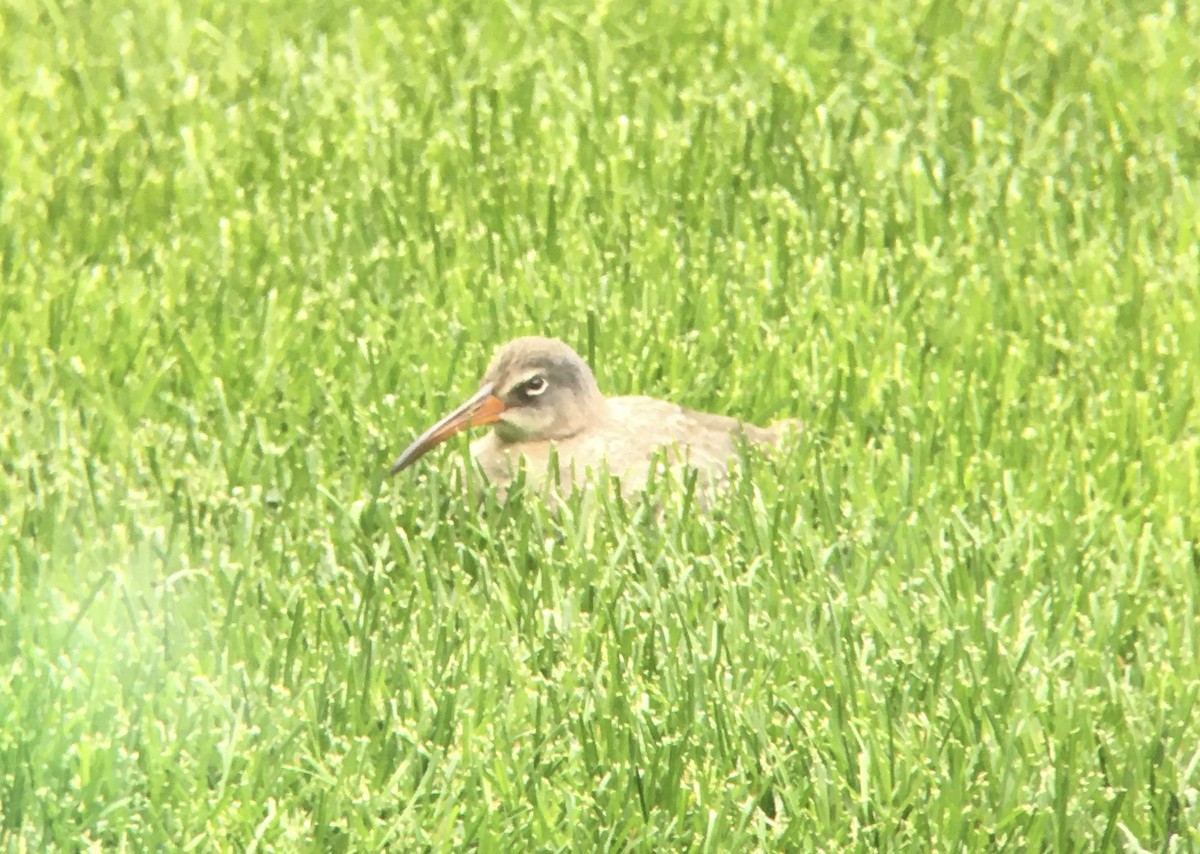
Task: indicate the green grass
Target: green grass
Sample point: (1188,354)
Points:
(247,251)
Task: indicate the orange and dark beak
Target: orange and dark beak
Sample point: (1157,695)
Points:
(483,408)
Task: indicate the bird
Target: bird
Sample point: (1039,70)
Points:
(545,409)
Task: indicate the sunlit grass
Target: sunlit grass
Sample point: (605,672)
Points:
(247,251)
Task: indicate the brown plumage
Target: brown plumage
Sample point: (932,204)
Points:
(539,395)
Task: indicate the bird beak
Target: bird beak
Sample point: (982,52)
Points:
(483,408)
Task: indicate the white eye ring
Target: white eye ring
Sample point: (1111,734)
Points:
(534,386)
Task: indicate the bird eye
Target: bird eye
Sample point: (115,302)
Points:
(534,386)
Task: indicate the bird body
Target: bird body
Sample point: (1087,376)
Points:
(544,406)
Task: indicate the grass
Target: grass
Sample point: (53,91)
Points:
(248,250)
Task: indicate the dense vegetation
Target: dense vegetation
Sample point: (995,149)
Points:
(247,250)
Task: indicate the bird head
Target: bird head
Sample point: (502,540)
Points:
(535,389)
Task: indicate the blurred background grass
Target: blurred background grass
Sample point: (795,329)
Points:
(249,249)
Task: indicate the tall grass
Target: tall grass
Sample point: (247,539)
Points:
(247,250)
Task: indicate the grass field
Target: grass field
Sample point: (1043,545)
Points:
(249,250)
